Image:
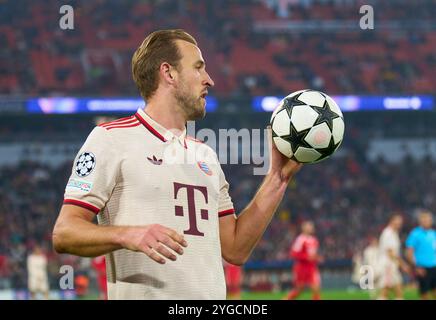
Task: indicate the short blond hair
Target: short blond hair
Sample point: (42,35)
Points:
(424,212)
(158,47)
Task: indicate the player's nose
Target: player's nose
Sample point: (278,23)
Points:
(208,81)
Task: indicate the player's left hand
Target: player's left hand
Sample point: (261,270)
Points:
(420,272)
(405,267)
(286,168)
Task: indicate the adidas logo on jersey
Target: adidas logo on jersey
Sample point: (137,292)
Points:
(154,160)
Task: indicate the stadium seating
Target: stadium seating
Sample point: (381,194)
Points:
(94,58)
(349,198)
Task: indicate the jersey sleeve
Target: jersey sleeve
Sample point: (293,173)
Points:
(297,246)
(225,204)
(298,250)
(411,240)
(387,241)
(94,173)
(382,242)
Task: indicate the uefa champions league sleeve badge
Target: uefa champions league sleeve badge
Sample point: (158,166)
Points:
(85,164)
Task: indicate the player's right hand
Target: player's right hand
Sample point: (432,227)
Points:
(156,241)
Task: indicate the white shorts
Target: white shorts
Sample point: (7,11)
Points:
(389,276)
(38,284)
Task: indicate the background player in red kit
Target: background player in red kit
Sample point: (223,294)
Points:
(99,265)
(233,280)
(304,251)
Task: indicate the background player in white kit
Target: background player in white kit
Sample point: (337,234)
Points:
(151,204)
(371,254)
(371,259)
(37,273)
(390,261)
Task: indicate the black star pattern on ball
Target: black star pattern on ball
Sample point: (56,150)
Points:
(326,152)
(296,139)
(290,103)
(273,133)
(325,115)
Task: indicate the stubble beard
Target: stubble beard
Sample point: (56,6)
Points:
(193,107)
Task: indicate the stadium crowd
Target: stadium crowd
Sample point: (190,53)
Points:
(38,58)
(349,199)
(349,202)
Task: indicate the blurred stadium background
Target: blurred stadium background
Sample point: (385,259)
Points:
(55,85)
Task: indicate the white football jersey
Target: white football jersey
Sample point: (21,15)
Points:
(389,240)
(371,255)
(37,266)
(133,171)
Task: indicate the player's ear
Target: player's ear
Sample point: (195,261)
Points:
(167,71)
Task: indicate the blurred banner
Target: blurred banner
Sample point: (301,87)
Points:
(71,105)
(68,105)
(358,103)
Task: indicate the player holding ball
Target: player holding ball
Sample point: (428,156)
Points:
(164,224)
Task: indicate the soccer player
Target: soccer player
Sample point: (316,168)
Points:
(390,261)
(371,259)
(421,253)
(304,251)
(233,275)
(165,220)
(37,273)
(99,265)
(371,253)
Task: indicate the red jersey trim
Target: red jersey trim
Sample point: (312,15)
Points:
(149,127)
(226,212)
(124,126)
(120,122)
(115,121)
(82,204)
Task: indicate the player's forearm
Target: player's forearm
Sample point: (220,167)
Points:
(254,219)
(83,238)
(410,256)
(396,259)
(399,261)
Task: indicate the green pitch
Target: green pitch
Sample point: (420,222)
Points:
(409,294)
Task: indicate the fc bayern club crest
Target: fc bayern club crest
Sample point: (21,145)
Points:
(204,167)
(85,164)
